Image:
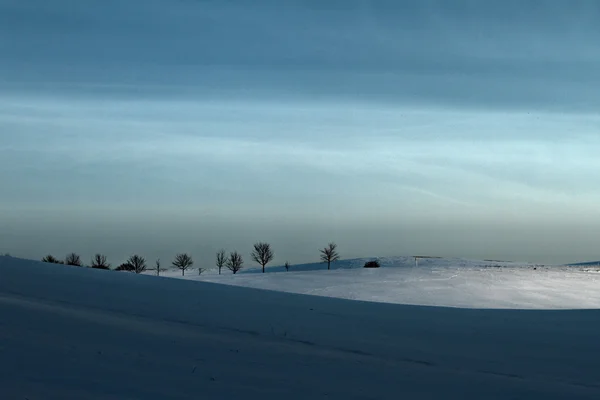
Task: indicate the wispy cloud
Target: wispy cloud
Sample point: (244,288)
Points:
(338,114)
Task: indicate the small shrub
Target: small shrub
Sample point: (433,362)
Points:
(52,260)
(73,259)
(372,264)
(125,267)
(99,262)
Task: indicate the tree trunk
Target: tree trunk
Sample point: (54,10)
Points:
(183,272)
(328,264)
(263,269)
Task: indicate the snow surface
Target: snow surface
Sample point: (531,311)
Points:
(77,333)
(450,282)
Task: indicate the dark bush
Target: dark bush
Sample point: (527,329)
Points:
(73,259)
(99,262)
(52,260)
(372,264)
(125,267)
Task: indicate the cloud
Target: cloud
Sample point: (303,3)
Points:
(517,55)
(301,116)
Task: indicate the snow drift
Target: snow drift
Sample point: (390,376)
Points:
(452,282)
(72,333)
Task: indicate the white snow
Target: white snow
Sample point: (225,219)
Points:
(77,333)
(447,282)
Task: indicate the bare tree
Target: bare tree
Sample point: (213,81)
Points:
(99,262)
(52,260)
(287,266)
(234,262)
(221,259)
(262,254)
(201,270)
(329,254)
(138,263)
(183,261)
(73,259)
(158,267)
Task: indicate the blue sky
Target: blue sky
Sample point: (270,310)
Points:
(464,128)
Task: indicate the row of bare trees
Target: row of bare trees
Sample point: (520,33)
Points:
(135,263)
(261,254)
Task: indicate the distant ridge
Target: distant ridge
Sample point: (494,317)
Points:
(585,263)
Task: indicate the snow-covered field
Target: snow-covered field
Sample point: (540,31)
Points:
(447,282)
(77,333)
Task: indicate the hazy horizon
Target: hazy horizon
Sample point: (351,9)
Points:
(462,128)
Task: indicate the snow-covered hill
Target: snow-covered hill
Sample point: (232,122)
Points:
(77,333)
(451,282)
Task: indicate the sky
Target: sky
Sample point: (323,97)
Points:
(463,128)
